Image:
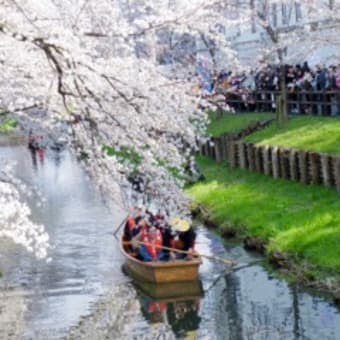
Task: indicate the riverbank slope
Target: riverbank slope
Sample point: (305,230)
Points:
(231,122)
(319,134)
(301,222)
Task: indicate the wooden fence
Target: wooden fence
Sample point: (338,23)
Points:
(323,103)
(290,164)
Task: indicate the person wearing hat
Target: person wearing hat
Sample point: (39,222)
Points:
(186,238)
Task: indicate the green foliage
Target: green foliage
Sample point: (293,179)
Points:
(230,122)
(9,124)
(301,220)
(320,134)
(175,172)
(125,154)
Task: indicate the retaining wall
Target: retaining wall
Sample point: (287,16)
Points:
(304,166)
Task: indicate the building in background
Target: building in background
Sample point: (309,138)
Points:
(250,39)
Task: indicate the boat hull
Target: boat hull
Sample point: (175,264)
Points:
(162,272)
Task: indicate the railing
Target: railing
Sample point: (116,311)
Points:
(323,103)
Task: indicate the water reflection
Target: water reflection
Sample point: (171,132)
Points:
(251,304)
(177,305)
(84,260)
(181,315)
(37,155)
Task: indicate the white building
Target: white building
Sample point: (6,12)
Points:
(286,16)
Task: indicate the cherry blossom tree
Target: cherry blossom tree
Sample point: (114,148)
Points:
(16,223)
(94,66)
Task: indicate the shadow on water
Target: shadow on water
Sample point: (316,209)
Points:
(40,300)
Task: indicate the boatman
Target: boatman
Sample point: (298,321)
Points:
(185,239)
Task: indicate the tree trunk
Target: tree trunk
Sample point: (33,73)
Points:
(282,105)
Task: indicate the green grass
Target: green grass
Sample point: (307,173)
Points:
(9,124)
(301,220)
(232,122)
(320,134)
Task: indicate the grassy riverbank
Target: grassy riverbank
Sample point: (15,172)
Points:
(8,125)
(307,133)
(233,122)
(302,221)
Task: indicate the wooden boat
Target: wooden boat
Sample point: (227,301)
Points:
(160,272)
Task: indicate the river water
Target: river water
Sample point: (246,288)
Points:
(82,293)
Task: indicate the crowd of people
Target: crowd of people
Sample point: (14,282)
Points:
(153,236)
(301,78)
(298,77)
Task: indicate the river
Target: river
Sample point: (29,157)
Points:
(82,292)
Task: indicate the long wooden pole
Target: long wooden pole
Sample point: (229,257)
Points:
(122,223)
(210,257)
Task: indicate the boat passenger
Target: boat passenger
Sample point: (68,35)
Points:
(132,228)
(168,236)
(186,237)
(129,225)
(150,216)
(152,241)
(160,216)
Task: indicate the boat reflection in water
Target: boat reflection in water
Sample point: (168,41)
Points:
(175,305)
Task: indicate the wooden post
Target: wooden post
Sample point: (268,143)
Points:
(218,149)
(204,149)
(303,167)
(211,149)
(293,165)
(298,103)
(232,156)
(256,102)
(326,172)
(258,158)
(336,169)
(237,154)
(251,156)
(314,167)
(324,109)
(227,147)
(275,162)
(201,148)
(207,148)
(266,153)
(242,155)
(283,170)
(224,147)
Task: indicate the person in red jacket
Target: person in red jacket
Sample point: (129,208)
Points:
(130,225)
(152,241)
